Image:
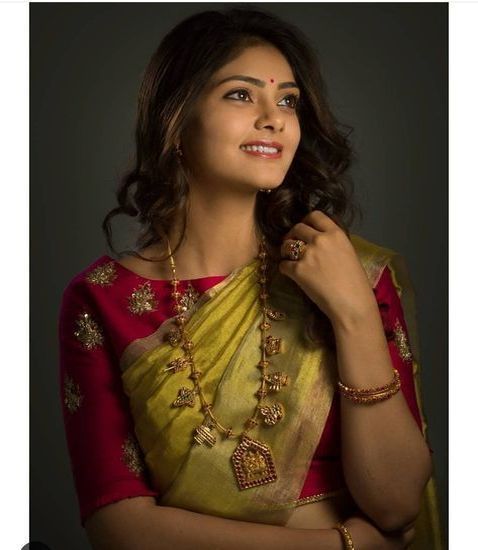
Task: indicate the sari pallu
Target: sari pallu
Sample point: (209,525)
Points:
(223,325)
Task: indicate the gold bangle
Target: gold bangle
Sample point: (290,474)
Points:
(345,390)
(346,538)
(375,398)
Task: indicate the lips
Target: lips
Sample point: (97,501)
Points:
(263,154)
(263,149)
(265,143)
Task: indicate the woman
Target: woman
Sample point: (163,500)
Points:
(245,379)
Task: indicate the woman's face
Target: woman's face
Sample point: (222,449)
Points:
(250,100)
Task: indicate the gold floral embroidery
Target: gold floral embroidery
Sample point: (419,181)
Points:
(190,297)
(142,300)
(89,332)
(102,275)
(72,395)
(401,342)
(132,456)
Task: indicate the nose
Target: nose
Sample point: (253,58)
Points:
(270,118)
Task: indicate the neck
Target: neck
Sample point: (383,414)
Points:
(220,235)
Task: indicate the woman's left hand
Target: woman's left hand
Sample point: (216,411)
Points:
(330,272)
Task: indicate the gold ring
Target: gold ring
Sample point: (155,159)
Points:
(294,250)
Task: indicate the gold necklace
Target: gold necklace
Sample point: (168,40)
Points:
(252,460)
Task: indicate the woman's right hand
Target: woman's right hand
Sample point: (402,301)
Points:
(366,536)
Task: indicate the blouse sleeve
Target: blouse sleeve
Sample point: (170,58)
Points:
(106,461)
(396,331)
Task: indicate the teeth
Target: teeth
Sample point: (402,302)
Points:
(260,149)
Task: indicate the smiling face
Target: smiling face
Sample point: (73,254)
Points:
(250,103)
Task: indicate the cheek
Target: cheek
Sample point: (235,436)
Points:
(296,132)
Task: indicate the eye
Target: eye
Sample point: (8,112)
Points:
(242,94)
(293,99)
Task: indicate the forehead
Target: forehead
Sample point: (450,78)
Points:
(261,61)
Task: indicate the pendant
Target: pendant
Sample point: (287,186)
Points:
(253,464)
(177,365)
(185,397)
(272,414)
(203,436)
(273,345)
(276,380)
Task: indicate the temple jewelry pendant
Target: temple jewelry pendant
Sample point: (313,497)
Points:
(203,436)
(253,464)
(272,414)
(273,345)
(185,396)
(275,315)
(177,365)
(276,380)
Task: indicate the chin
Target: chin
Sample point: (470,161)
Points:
(267,183)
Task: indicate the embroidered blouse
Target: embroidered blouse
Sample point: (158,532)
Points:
(105,308)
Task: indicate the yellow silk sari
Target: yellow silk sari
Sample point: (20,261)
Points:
(223,324)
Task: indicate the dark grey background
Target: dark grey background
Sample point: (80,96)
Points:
(386,66)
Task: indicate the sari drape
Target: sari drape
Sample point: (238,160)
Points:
(223,324)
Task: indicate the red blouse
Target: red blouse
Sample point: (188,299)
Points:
(105,308)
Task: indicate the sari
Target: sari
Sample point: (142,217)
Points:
(223,324)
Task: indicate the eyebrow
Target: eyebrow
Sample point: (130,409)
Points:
(256,81)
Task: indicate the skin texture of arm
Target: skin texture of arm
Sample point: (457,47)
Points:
(385,458)
(139,524)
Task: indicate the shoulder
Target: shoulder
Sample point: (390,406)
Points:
(126,304)
(101,273)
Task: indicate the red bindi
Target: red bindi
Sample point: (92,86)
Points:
(272,80)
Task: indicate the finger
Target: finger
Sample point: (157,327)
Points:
(303,232)
(319,221)
(289,268)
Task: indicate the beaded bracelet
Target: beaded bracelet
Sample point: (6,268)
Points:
(346,538)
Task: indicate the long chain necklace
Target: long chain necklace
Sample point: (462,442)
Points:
(252,460)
